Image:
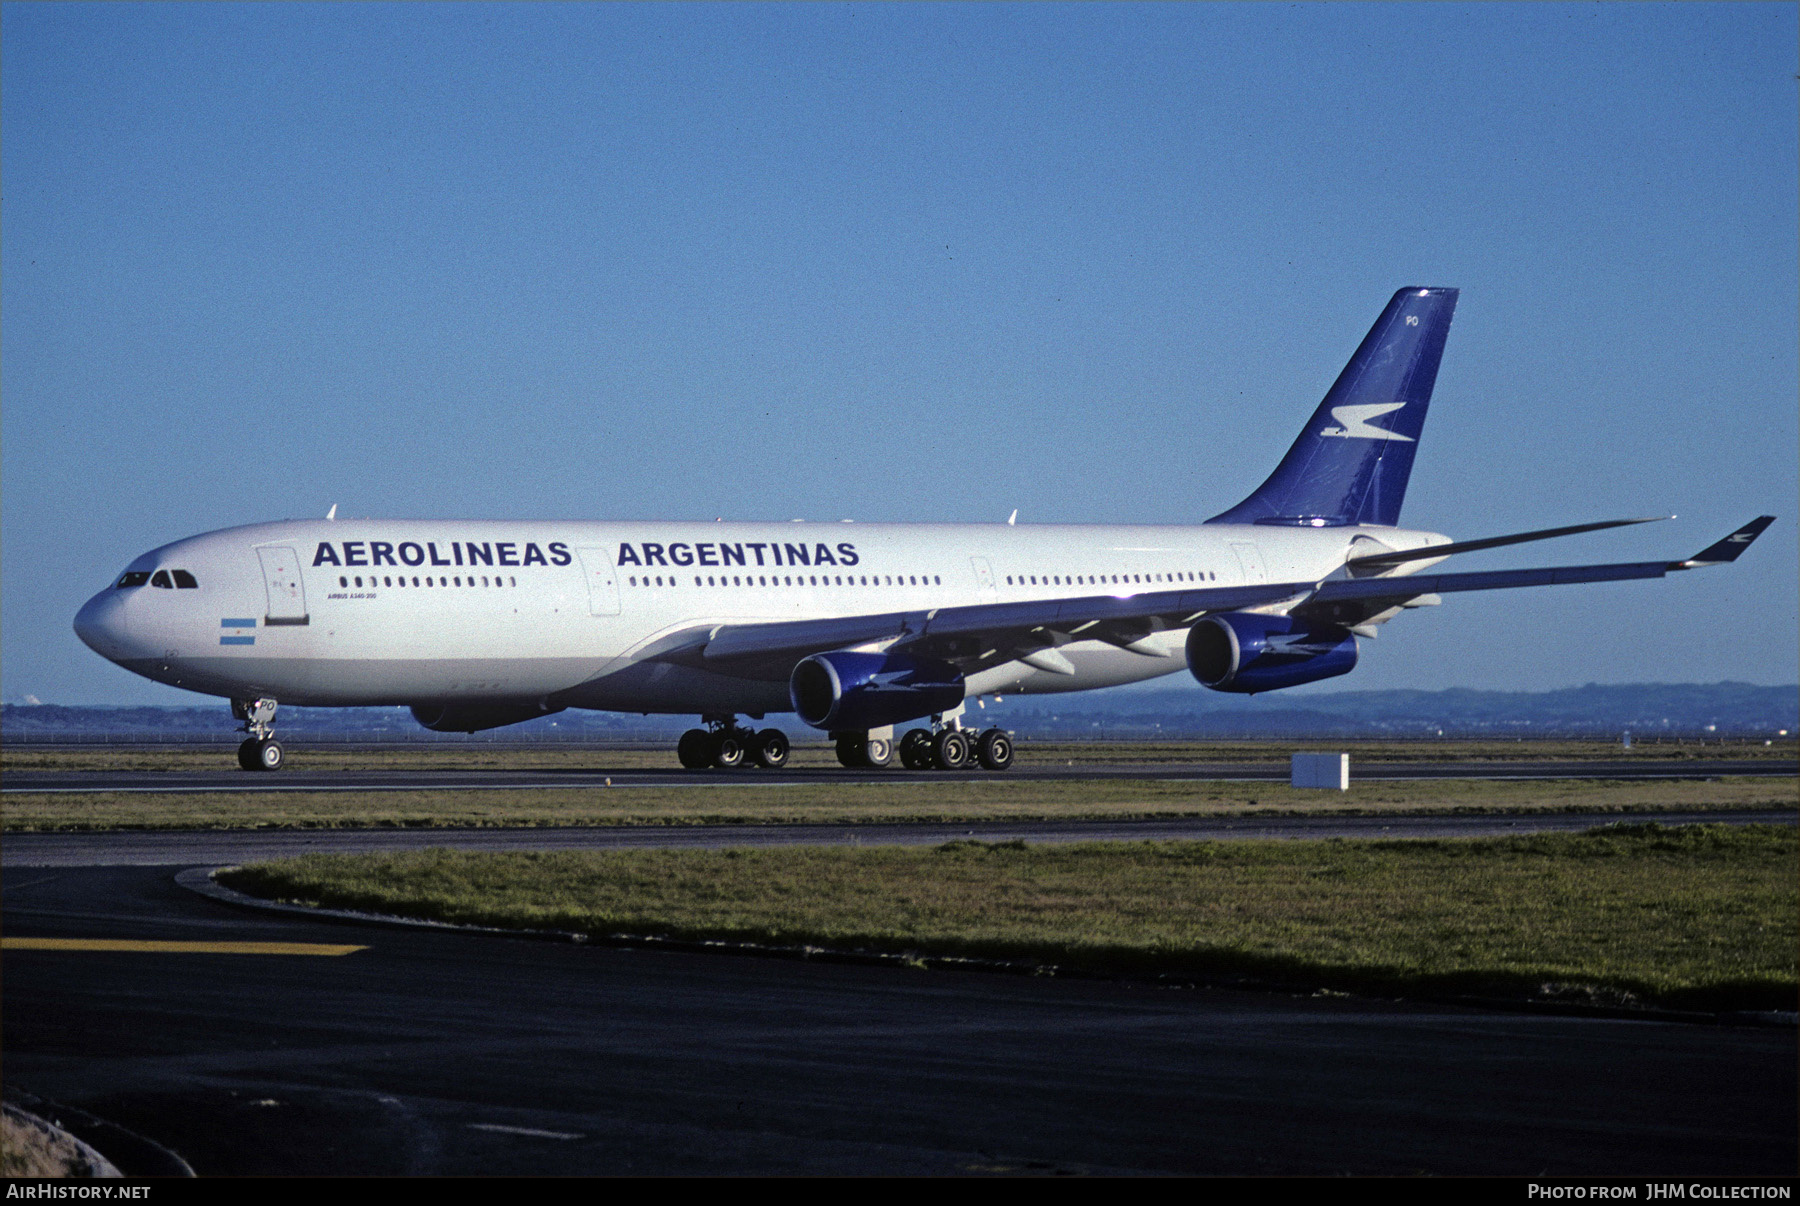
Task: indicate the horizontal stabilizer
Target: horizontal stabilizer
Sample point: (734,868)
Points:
(1494,542)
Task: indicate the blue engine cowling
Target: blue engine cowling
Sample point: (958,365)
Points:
(452,718)
(844,691)
(1246,653)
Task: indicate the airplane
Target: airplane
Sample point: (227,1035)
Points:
(857,628)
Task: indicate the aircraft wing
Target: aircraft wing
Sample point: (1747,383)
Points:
(980,635)
(1352,600)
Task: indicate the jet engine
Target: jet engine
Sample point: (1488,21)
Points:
(452,718)
(846,691)
(1246,653)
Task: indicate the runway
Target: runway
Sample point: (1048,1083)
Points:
(434,1053)
(230,779)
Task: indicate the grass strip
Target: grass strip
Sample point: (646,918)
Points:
(946,801)
(1698,917)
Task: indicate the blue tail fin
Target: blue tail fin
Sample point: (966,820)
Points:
(1352,460)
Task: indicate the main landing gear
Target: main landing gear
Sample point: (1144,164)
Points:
(865,751)
(955,749)
(260,751)
(724,745)
(944,746)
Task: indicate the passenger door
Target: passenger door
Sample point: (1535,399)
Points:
(281,581)
(602,581)
(984,578)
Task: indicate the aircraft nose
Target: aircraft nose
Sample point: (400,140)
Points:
(101,625)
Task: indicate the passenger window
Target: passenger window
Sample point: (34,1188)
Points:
(343,582)
(134,578)
(161,578)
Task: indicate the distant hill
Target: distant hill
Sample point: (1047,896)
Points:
(1649,709)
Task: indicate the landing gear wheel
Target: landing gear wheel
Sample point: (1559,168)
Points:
(950,749)
(850,753)
(915,750)
(247,757)
(878,752)
(728,751)
(695,749)
(995,749)
(269,755)
(771,749)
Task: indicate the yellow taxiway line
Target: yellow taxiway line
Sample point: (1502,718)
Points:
(176,948)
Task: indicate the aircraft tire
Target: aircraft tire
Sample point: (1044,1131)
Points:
(995,749)
(877,752)
(915,750)
(247,755)
(772,749)
(269,755)
(695,749)
(850,753)
(728,751)
(950,750)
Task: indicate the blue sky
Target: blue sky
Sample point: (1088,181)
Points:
(907,262)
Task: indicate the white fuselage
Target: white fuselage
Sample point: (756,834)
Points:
(360,612)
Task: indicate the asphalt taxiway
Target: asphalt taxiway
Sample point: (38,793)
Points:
(426,1053)
(252,1043)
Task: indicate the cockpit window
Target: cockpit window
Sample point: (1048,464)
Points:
(133,578)
(184,580)
(161,578)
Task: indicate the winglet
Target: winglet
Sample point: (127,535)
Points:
(1728,549)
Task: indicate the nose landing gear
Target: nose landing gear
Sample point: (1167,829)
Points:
(260,751)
